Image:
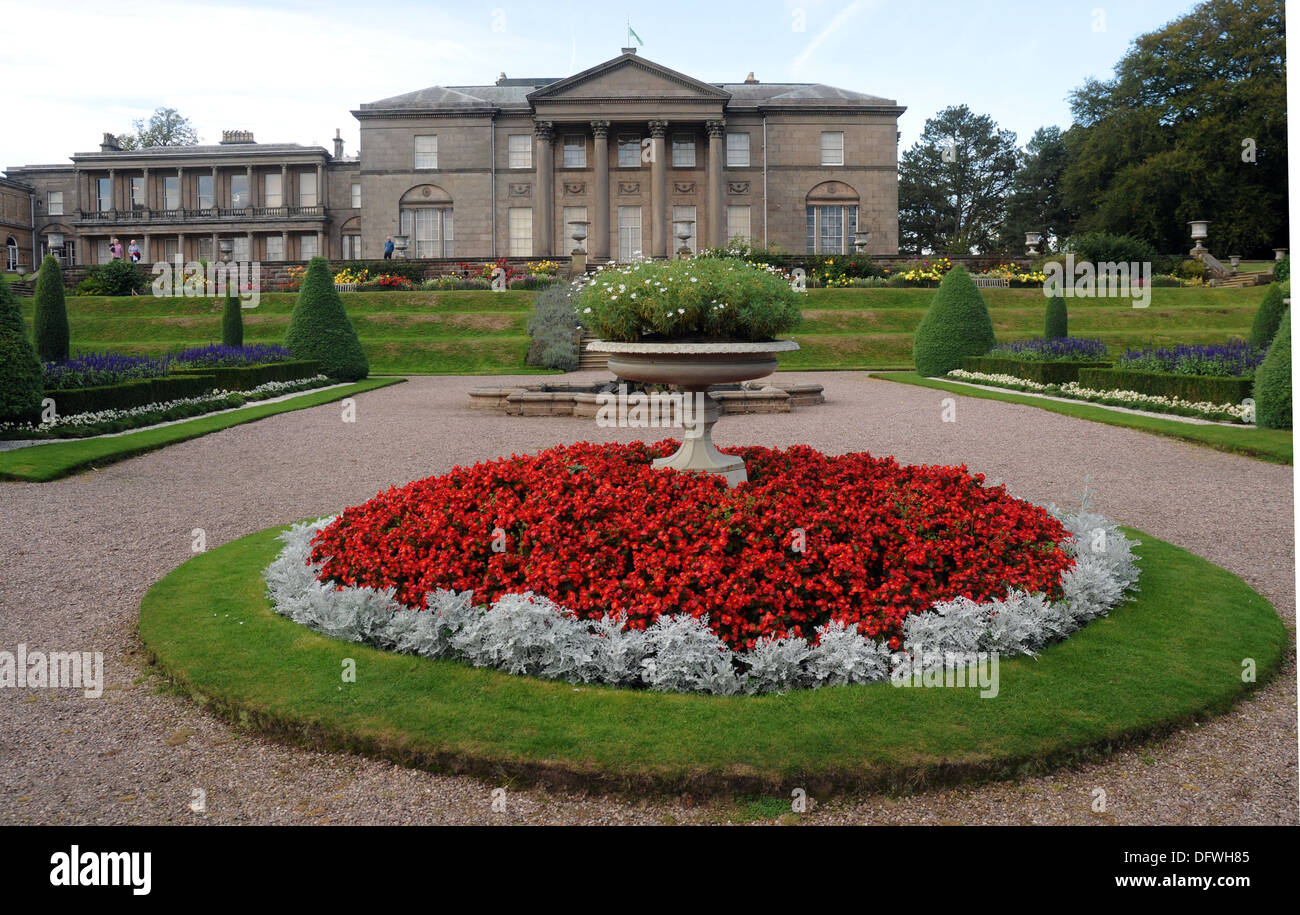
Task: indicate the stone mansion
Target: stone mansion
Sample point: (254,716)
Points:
(639,158)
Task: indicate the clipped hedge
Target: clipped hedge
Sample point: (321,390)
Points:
(1057,322)
(130,394)
(21,376)
(1196,388)
(1273,381)
(956,325)
(1041,372)
(1268,317)
(247,377)
(319,328)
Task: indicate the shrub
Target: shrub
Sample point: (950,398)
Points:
(553,327)
(20,369)
(1193,388)
(232,320)
(1057,325)
(1164,281)
(319,328)
(118,277)
(1193,269)
(50,327)
(1099,247)
(90,286)
(707,298)
(1268,317)
(956,325)
(1273,381)
(1282,269)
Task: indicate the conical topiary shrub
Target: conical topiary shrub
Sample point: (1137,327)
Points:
(1057,326)
(50,324)
(956,325)
(21,375)
(319,328)
(232,320)
(1273,380)
(1268,316)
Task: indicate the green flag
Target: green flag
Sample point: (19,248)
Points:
(632,34)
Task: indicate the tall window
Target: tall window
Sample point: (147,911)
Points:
(171,193)
(521,232)
(239,196)
(629,233)
(206,198)
(54,203)
(426,151)
(685,213)
(138,201)
(205,247)
(629,150)
(307,189)
(571,215)
(11,253)
(240,250)
(102,253)
(356,196)
(575,151)
(683,150)
(307,246)
(830,229)
(274,248)
(519,150)
(738,224)
(832,147)
(352,247)
(429,231)
(737,150)
(272,192)
(103,195)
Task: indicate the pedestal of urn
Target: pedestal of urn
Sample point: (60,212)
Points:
(691,368)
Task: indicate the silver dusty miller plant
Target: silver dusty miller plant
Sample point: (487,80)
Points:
(530,634)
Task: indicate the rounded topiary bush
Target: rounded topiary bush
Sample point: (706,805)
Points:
(1273,381)
(319,328)
(553,328)
(956,325)
(1268,316)
(21,375)
(50,325)
(1057,326)
(232,320)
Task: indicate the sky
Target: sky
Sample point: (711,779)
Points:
(293,71)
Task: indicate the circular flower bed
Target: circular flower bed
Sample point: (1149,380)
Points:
(810,540)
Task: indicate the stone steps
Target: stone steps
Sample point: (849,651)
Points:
(590,362)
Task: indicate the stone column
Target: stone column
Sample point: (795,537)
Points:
(544,205)
(658,190)
(320,185)
(180,188)
(598,243)
(147,255)
(284,240)
(320,238)
(148,191)
(215,192)
(252,188)
(251,255)
(717,218)
(216,242)
(112,189)
(284,186)
(180,245)
(76,178)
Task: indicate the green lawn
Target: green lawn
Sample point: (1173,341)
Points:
(478,332)
(1171,656)
(41,463)
(1274,445)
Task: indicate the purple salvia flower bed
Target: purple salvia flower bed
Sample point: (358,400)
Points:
(252,354)
(1062,349)
(1232,359)
(87,370)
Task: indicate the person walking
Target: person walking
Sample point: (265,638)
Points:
(388,249)
(115,250)
(133,251)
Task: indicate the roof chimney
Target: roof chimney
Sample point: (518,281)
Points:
(628,50)
(502,78)
(110,144)
(338,143)
(750,77)
(236,136)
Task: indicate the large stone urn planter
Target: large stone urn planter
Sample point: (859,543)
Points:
(691,368)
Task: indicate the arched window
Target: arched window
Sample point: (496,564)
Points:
(425,218)
(11,253)
(832,218)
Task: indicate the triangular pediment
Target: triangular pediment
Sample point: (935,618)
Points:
(628,77)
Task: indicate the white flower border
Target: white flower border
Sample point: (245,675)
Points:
(531,635)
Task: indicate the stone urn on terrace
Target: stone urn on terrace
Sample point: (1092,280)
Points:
(689,360)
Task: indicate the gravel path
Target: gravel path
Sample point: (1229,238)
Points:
(80,553)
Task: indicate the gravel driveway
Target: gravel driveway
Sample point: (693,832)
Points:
(79,554)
